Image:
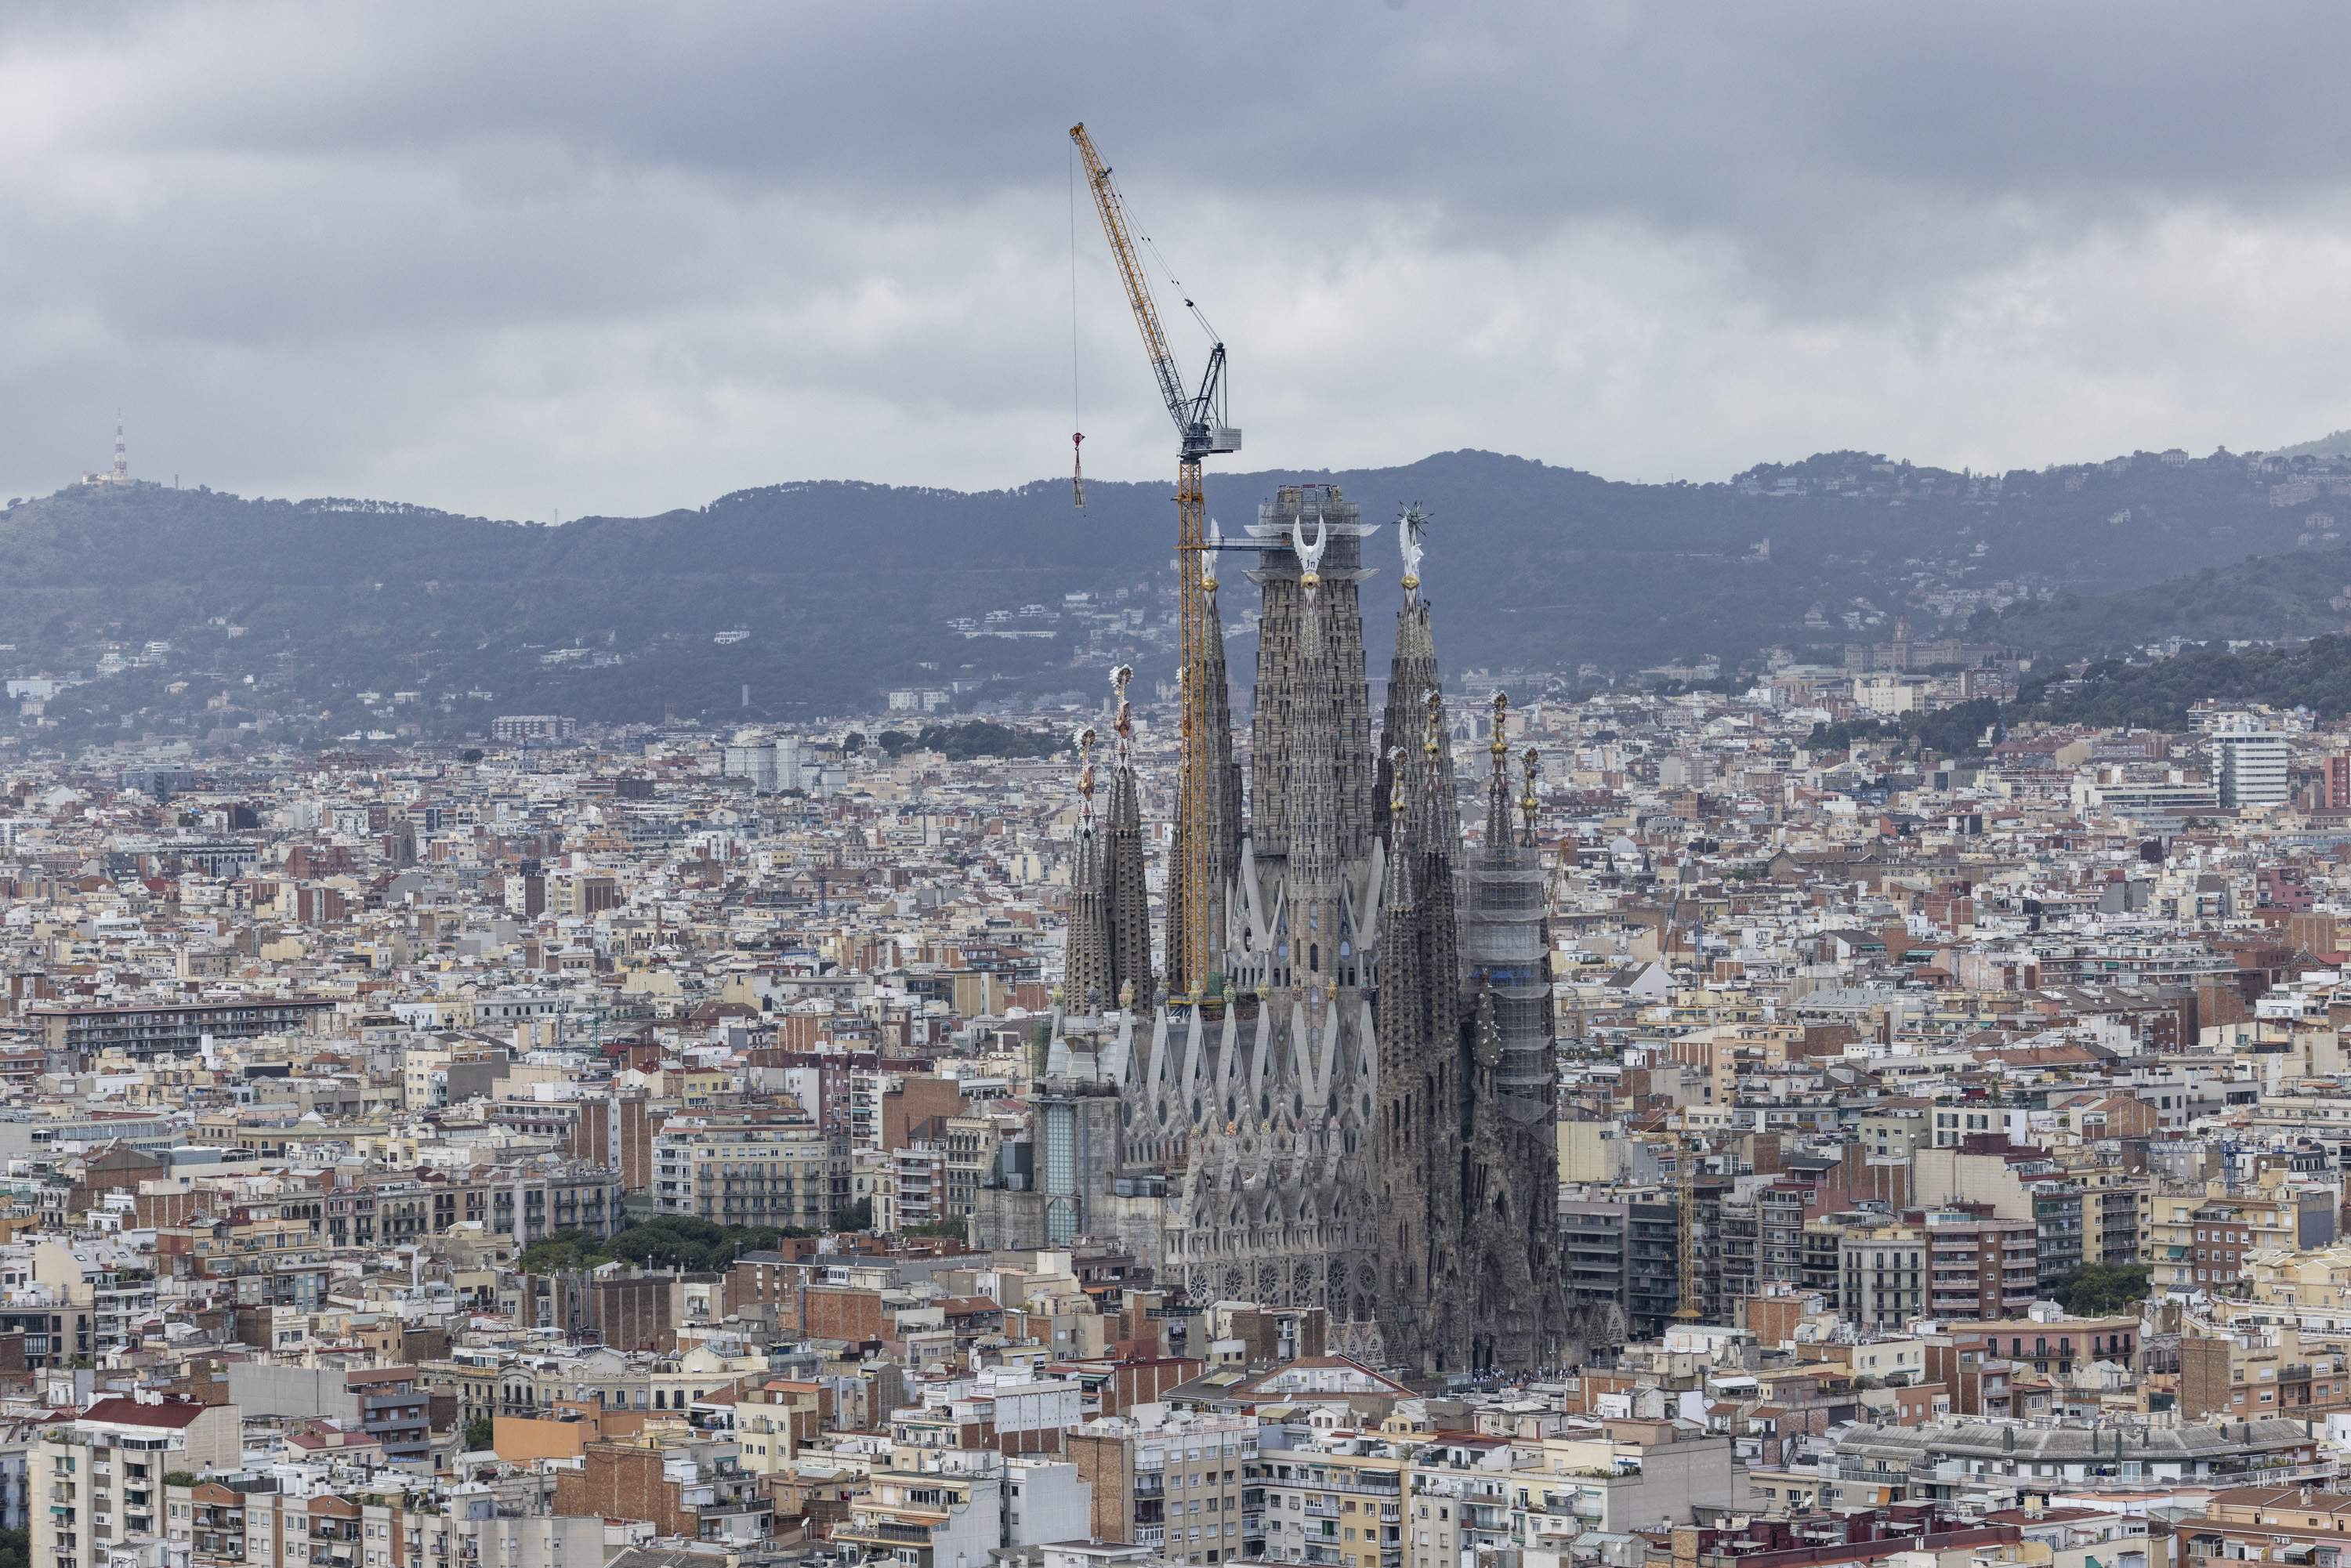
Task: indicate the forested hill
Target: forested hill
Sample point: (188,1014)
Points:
(845,590)
(2315,674)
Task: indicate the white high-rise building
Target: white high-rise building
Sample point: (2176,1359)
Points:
(2253,766)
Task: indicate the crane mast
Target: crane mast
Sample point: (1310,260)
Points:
(1201,429)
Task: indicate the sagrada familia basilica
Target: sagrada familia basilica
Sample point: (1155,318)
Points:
(1353,1111)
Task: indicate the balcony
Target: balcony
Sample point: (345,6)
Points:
(886,1532)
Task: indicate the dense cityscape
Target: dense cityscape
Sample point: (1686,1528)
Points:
(699,871)
(676,1140)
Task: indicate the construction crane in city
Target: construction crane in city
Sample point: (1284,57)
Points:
(1201,430)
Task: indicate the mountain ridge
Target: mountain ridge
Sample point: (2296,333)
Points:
(845,589)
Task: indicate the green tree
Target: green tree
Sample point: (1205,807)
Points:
(564,1249)
(952,1229)
(673,1242)
(478,1435)
(2103,1289)
(858,1216)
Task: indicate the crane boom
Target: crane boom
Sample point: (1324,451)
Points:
(1194,901)
(1130,273)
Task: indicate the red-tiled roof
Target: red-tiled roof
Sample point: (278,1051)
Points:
(172,1413)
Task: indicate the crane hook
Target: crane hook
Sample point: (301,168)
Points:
(1078,473)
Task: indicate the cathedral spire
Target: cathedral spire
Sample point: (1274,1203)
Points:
(1510,1129)
(1087,986)
(1412,673)
(1314,872)
(1126,900)
(1498,788)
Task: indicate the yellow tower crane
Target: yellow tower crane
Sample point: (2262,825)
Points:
(1201,428)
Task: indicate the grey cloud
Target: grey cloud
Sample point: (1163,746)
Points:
(502,257)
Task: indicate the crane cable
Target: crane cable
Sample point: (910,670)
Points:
(1077,423)
(1152,246)
(1198,315)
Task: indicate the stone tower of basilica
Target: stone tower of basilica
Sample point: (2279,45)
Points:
(1356,1111)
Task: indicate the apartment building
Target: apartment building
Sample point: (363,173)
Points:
(688,1484)
(2253,766)
(971,1144)
(2257,1372)
(773,1418)
(1881,1273)
(2112,1204)
(390,1404)
(1337,1501)
(934,1510)
(2277,1524)
(253,1525)
(1592,1251)
(58,1319)
(1172,1480)
(1459,1493)
(96,1481)
(1978,1264)
(759,1168)
(2051,1343)
(144,1029)
(1978,1462)
(913,1186)
(1644,1474)
(1044,1500)
(523,1203)
(2196,1240)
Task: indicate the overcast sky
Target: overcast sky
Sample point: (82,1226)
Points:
(523,258)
